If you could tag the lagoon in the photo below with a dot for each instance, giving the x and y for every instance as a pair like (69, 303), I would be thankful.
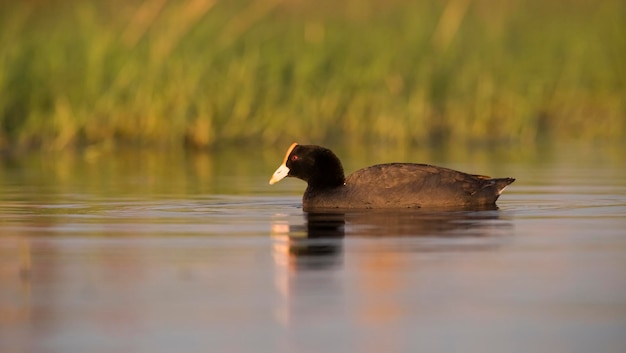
(144, 251)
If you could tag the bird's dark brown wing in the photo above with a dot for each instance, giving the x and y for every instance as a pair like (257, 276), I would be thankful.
(418, 185)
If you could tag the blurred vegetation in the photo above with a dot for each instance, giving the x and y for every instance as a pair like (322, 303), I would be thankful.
(205, 72)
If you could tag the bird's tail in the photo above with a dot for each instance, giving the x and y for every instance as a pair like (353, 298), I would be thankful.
(502, 183)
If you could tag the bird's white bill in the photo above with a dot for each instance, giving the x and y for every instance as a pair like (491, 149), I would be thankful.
(279, 174)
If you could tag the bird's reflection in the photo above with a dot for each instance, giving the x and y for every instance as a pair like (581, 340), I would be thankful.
(318, 243)
(387, 241)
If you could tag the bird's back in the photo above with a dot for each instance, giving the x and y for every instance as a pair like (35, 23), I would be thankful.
(402, 185)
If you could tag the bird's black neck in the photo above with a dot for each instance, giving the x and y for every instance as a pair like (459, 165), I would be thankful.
(328, 172)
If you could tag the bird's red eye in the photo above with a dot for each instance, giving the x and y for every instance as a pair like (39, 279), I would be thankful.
(294, 158)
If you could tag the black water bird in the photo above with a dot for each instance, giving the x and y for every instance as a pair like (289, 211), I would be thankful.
(391, 185)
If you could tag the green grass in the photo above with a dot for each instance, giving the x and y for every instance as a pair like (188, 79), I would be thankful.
(202, 72)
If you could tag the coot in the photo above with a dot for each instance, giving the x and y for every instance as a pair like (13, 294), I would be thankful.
(391, 185)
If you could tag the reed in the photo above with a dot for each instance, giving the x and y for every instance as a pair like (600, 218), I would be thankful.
(207, 72)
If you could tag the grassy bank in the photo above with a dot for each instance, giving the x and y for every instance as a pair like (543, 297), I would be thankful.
(202, 72)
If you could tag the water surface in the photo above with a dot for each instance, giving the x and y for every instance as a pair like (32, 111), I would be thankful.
(138, 251)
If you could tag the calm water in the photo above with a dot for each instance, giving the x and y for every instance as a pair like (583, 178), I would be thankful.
(168, 251)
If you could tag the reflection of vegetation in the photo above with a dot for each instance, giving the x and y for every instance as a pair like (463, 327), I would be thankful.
(113, 175)
(203, 71)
